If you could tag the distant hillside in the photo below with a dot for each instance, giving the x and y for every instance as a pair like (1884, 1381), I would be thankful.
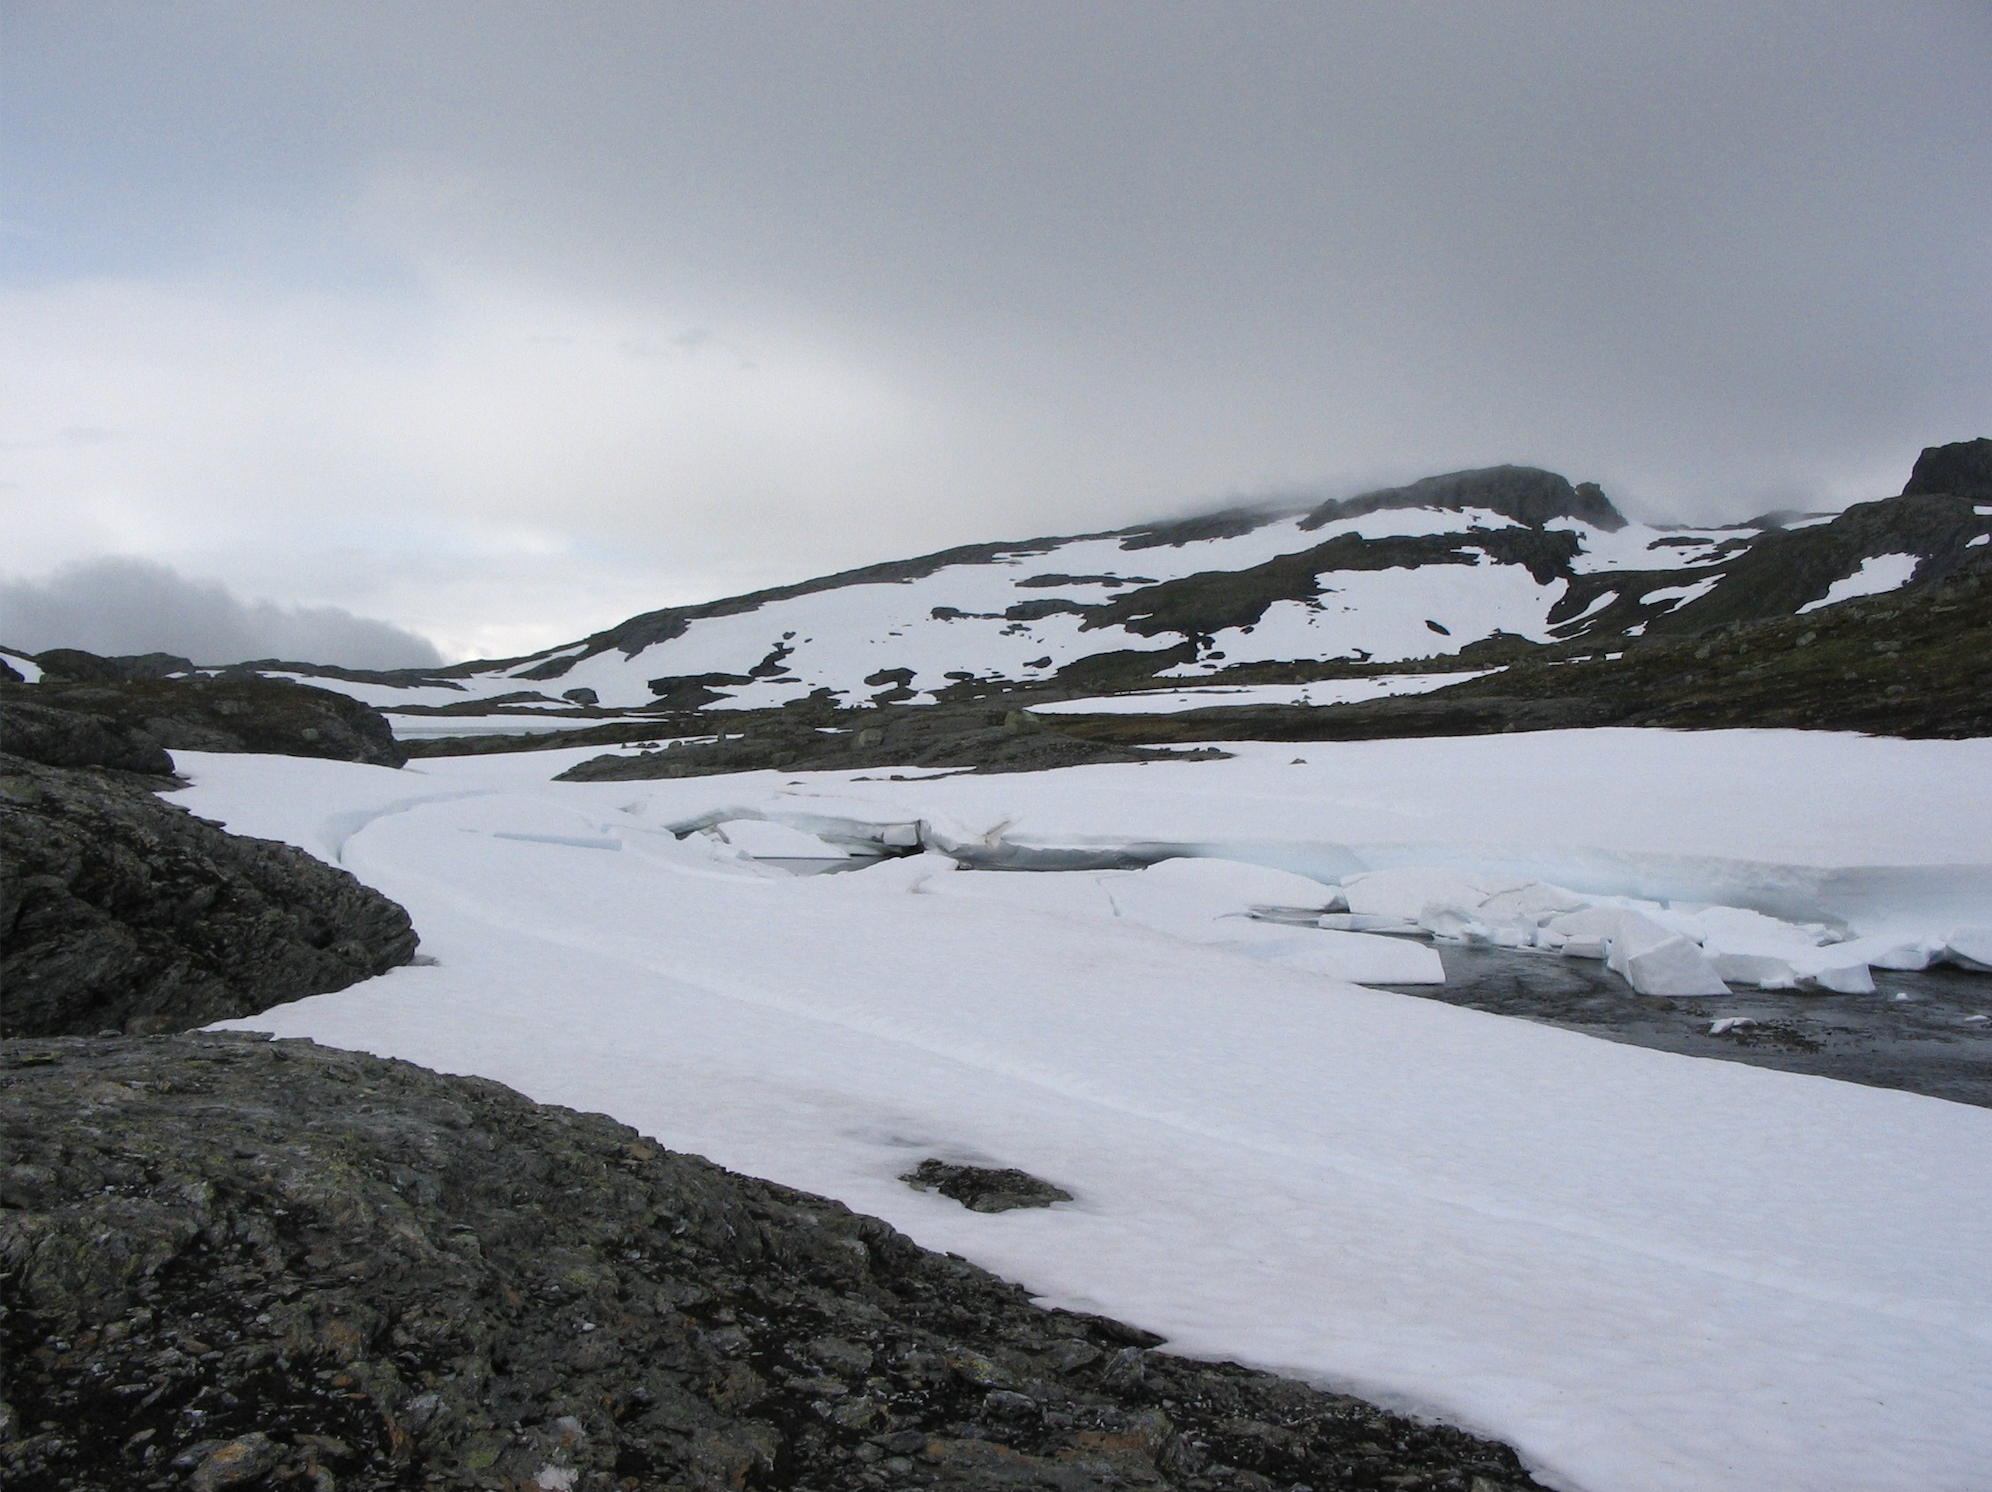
(1370, 598)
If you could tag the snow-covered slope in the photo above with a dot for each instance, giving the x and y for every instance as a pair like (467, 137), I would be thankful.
(1649, 1273)
(1471, 568)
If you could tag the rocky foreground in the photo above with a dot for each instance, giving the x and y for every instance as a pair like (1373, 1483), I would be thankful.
(232, 1262)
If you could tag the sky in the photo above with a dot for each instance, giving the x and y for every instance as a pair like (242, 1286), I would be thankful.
(496, 322)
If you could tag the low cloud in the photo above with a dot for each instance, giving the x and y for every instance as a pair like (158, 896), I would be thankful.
(117, 607)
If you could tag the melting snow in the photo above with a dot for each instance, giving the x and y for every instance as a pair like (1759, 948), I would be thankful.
(1878, 573)
(955, 622)
(1320, 692)
(1680, 595)
(1651, 1273)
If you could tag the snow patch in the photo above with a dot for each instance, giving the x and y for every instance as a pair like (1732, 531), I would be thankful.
(1877, 575)
(1321, 692)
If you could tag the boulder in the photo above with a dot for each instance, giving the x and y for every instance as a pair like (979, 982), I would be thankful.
(1961, 469)
(120, 910)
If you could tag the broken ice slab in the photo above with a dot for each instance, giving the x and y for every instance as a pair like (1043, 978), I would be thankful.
(1674, 966)
(1366, 922)
(1651, 957)
(1360, 958)
(1841, 968)
(765, 839)
(1970, 948)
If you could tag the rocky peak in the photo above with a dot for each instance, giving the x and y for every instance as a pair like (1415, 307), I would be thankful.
(1961, 469)
(1527, 494)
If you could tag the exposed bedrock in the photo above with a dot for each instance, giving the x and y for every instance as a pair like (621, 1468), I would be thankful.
(76, 738)
(242, 713)
(120, 910)
(1526, 494)
(800, 739)
(237, 1262)
(1963, 469)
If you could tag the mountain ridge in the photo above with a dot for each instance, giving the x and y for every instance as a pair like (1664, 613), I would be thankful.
(1477, 569)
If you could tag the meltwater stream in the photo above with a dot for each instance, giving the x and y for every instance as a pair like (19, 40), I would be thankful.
(1927, 1032)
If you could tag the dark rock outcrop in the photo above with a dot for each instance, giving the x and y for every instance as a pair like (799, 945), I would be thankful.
(74, 666)
(799, 740)
(75, 738)
(984, 1188)
(1961, 469)
(120, 910)
(226, 1259)
(239, 713)
(1527, 494)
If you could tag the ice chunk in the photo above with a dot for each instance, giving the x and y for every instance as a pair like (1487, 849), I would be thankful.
(1764, 970)
(1067, 893)
(1843, 978)
(1672, 966)
(1651, 957)
(1538, 901)
(1893, 952)
(1841, 972)
(1404, 894)
(1448, 920)
(1583, 930)
(909, 873)
(1360, 958)
(1457, 924)
(1749, 948)
(1970, 948)
(1192, 898)
(765, 839)
(1234, 885)
(1365, 922)
(1740, 928)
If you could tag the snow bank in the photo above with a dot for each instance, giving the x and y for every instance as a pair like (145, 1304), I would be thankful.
(1651, 1273)
(428, 727)
(1322, 692)
(1878, 574)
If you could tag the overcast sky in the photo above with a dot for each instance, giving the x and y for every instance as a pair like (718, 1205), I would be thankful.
(500, 322)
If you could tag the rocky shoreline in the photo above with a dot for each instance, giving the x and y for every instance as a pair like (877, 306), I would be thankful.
(233, 1262)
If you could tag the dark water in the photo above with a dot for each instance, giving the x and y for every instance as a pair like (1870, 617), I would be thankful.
(1928, 1033)
(797, 865)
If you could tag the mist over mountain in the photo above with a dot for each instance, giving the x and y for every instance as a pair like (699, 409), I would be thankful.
(129, 606)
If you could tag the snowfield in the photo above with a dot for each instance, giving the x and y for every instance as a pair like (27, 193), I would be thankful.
(1645, 1271)
(1018, 613)
(1322, 692)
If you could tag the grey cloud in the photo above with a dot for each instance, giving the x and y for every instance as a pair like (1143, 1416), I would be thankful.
(116, 607)
(992, 268)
